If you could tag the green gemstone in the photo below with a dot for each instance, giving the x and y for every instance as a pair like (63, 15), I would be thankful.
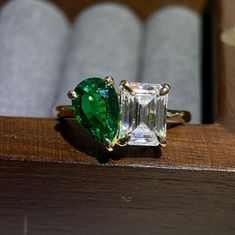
(96, 108)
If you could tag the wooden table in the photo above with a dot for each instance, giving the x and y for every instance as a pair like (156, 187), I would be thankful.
(55, 180)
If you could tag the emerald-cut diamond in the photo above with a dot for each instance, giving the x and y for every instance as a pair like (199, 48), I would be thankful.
(143, 114)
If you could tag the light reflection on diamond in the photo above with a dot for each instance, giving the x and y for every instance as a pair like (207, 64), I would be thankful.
(143, 114)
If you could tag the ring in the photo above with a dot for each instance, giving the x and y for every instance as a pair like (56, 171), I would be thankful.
(135, 115)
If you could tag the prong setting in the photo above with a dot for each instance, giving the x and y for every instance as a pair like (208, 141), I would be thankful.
(72, 95)
(124, 141)
(108, 145)
(165, 89)
(125, 85)
(109, 81)
(130, 119)
(162, 141)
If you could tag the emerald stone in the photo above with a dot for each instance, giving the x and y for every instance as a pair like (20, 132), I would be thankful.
(96, 108)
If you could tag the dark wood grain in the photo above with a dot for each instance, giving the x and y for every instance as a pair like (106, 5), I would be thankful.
(41, 198)
(189, 147)
(58, 182)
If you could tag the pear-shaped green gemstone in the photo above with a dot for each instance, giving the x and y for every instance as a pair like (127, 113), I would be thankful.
(96, 108)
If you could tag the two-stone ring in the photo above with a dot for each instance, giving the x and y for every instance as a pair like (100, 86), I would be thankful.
(135, 115)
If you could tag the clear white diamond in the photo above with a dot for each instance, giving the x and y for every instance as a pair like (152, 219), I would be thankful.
(143, 114)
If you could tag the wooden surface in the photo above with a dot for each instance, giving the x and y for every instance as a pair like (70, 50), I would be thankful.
(199, 147)
(205, 147)
(62, 182)
(189, 146)
(41, 198)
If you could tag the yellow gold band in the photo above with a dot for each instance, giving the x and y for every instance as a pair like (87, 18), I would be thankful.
(173, 116)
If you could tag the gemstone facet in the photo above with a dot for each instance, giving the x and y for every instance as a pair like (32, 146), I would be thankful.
(96, 108)
(143, 114)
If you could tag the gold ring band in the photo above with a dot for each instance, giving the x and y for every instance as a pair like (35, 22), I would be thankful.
(136, 114)
(173, 116)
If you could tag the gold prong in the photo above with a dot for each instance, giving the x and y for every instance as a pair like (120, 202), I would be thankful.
(72, 95)
(165, 89)
(125, 85)
(63, 111)
(109, 81)
(108, 145)
(178, 116)
(124, 141)
(162, 141)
